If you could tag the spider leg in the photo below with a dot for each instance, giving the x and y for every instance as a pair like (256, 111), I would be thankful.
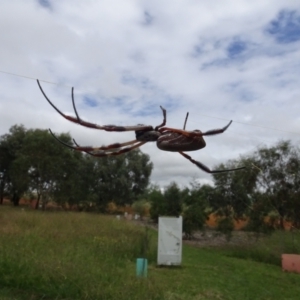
(164, 119)
(181, 131)
(114, 152)
(113, 149)
(217, 131)
(205, 168)
(196, 132)
(79, 121)
(38, 82)
(89, 148)
(187, 115)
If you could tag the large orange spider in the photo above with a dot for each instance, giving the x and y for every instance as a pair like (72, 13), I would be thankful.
(167, 139)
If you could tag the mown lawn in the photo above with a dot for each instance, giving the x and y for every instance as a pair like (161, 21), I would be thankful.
(89, 256)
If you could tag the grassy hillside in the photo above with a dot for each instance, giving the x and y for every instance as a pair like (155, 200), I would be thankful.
(88, 256)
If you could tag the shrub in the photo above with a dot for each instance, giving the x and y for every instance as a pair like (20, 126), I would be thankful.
(141, 207)
(194, 218)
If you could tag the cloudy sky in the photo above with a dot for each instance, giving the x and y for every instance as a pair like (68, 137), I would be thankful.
(218, 60)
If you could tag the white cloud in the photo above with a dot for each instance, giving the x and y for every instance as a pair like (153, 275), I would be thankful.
(174, 53)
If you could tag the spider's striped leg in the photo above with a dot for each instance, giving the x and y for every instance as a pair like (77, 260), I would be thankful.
(110, 147)
(205, 168)
(77, 120)
(181, 131)
(113, 149)
(114, 152)
(217, 131)
(89, 148)
(195, 132)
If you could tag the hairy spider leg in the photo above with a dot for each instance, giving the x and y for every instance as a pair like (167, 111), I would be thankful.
(205, 168)
(77, 120)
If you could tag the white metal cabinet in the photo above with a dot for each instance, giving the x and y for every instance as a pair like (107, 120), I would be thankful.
(169, 241)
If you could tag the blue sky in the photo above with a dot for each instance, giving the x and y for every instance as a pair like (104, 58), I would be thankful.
(285, 27)
(222, 60)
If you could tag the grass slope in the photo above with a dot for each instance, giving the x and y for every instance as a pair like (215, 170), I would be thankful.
(87, 256)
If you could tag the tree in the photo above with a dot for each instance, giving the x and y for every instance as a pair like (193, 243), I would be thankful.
(232, 194)
(168, 203)
(34, 162)
(10, 146)
(270, 184)
(122, 179)
(196, 201)
(258, 214)
(72, 184)
(173, 199)
(158, 205)
(279, 179)
(42, 163)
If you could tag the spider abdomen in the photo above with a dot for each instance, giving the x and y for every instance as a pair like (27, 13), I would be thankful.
(174, 142)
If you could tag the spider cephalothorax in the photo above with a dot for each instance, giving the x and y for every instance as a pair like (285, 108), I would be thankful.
(167, 139)
(147, 136)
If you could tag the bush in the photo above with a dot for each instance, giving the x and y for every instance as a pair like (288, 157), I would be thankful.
(194, 218)
(158, 205)
(226, 226)
(111, 208)
(141, 207)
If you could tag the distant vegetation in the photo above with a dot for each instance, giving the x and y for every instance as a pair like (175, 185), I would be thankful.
(68, 255)
(35, 165)
(266, 194)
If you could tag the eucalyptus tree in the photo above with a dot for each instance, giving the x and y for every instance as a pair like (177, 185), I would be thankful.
(196, 207)
(43, 162)
(279, 179)
(122, 179)
(232, 196)
(271, 183)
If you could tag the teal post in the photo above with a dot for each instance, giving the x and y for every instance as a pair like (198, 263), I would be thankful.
(141, 267)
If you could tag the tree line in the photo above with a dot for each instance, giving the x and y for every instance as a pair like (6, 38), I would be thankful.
(32, 163)
(266, 193)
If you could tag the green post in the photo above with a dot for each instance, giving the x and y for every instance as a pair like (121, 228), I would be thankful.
(141, 267)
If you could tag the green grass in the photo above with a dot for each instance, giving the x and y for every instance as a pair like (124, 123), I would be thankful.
(267, 249)
(89, 256)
